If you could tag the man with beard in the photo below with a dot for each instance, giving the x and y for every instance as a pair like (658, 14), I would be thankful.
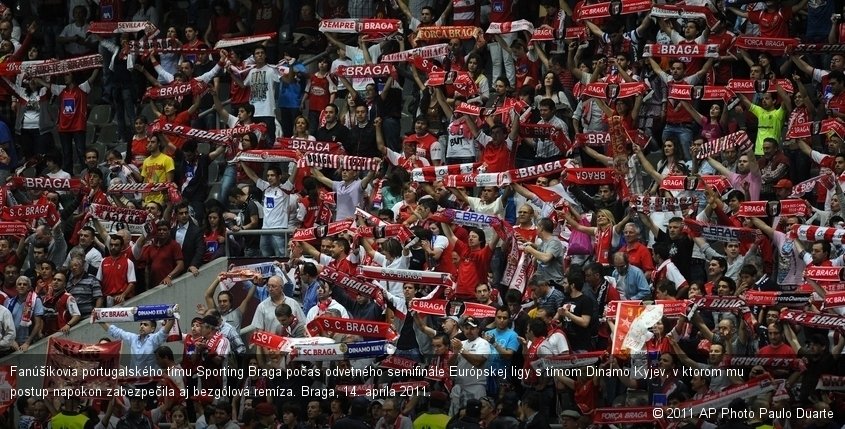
(680, 244)
(577, 313)
(747, 177)
(720, 380)
(163, 257)
(438, 368)
(116, 273)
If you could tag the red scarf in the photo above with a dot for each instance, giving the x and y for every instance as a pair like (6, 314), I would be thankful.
(533, 355)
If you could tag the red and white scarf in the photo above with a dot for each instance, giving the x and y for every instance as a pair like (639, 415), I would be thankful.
(648, 204)
(364, 328)
(245, 40)
(176, 89)
(608, 9)
(685, 50)
(510, 27)
(721, 233)
(766, 44)
(301, 145)
(826, 321)
(108, 27)
(346, 162)
(812, 233)
(434, 32)
(46, 183)
(433, 51)
(695, 183)
(367, 70)
(70, 65)
(794, 207)
(827, 180)
(432, 174)
(809, 129)
(318, 232)
(748, 86)
(737, 140)
(28, 306)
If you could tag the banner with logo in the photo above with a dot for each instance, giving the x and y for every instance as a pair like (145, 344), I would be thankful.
(794, 207)
(70, 65)
(135, 314)
(444, 308)
(613, 8)
(363, 328)
(690, 51)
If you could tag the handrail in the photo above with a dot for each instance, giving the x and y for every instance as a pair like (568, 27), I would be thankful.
(305, 63)
(272, 231)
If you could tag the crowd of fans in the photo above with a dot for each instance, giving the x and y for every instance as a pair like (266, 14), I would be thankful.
(548, 257)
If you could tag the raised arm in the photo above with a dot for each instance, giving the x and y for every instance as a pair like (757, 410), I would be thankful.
(802, 89)
(249, 172)
(762, 226)
(646, 164)
(801, 64)
(719, 167)
(318, 175)
(379, 137)
(697, 117)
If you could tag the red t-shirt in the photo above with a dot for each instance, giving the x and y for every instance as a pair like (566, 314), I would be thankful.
(467, 274)
(139, 151)
(424, 144)
(73, 108)
(115, 271)
(772, 24)
(161, 259)
(721, 73)
(675, 113)
(640, 257)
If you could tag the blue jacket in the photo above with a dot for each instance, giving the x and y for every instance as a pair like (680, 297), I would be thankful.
(636, 286)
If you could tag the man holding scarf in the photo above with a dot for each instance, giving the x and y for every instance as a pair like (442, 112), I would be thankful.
(27, 313)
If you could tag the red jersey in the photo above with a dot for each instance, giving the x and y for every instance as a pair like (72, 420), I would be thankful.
(772, 24)
(111, 10)
(837, 103)
(721, 73)
(115, 274)
(527, 72)
(319, 92)
(195, 44)
(73, 107)
(675, 113)
(501, 11)
(497, 157)
(424, 145)
(60, 303)
(640, 257)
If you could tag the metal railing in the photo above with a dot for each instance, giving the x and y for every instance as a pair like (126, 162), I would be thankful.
(286, 232)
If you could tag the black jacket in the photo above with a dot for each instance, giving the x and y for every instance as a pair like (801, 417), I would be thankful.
(193, 247)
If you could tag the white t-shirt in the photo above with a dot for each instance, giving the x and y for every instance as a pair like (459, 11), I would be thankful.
(348, 196)
(262, 92)
(400, 263)
(276, 202)
(356, 55)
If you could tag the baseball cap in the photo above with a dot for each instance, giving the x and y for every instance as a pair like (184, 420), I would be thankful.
(473, 408)
(265, 409)
(783, 183)
(455, 319)
(573, 414)
(470, 321)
